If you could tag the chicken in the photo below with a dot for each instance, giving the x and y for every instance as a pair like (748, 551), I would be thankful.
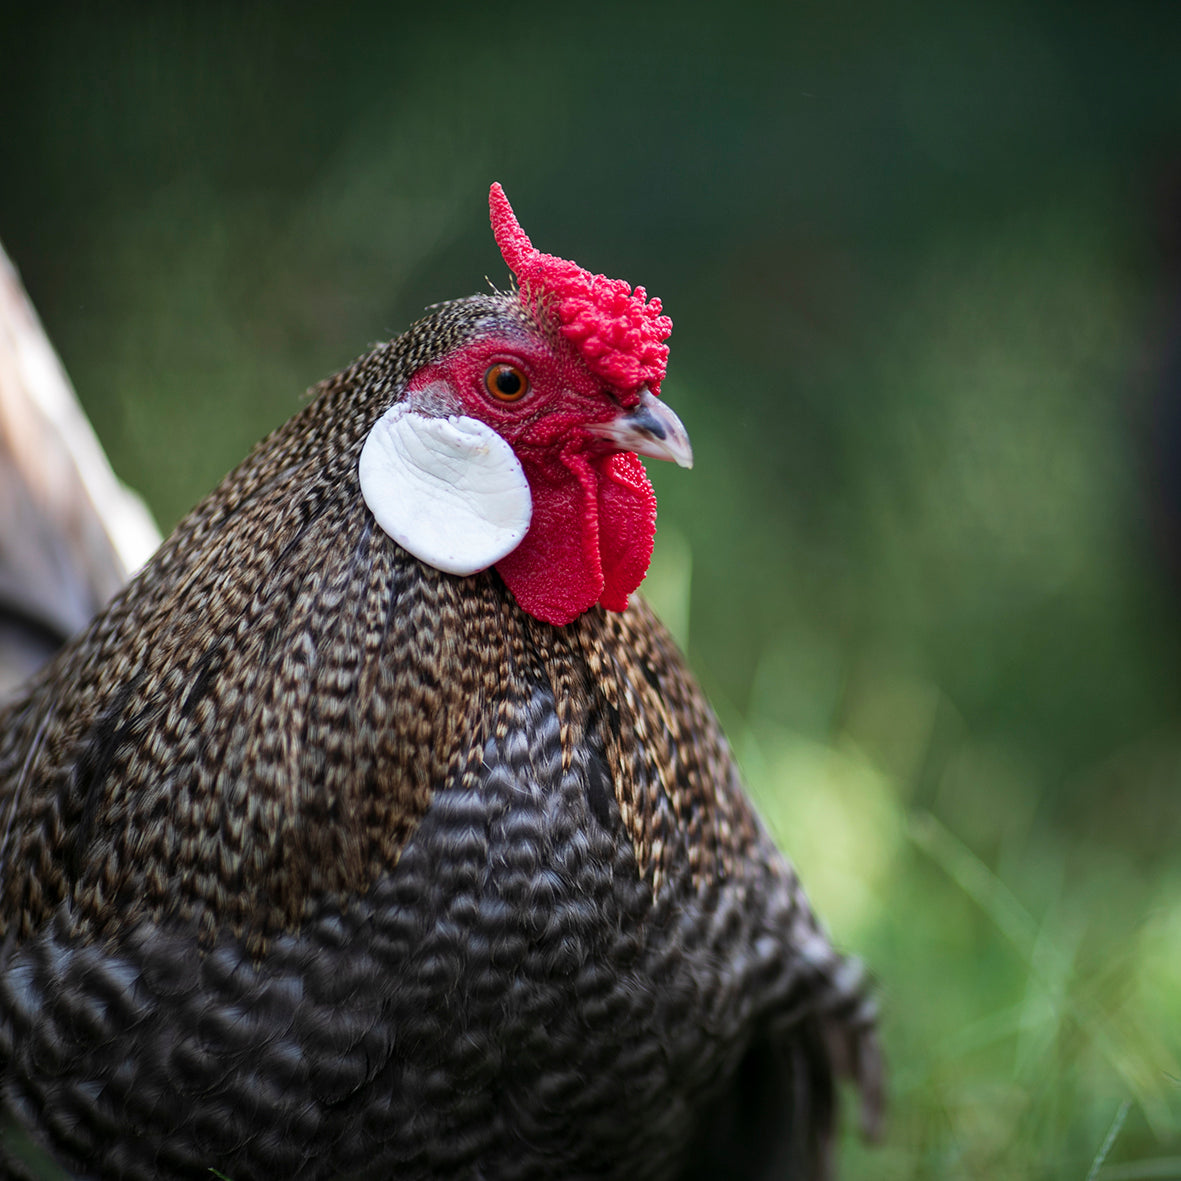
(376, 829)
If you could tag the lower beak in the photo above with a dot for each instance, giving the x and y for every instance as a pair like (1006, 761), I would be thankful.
(650, 429)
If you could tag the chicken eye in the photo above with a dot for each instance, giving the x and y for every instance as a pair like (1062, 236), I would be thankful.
(506, 383)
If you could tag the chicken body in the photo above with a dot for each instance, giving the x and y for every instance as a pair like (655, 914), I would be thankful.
(318, 862)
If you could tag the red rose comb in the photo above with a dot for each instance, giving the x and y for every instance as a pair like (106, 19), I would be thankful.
(619, 332)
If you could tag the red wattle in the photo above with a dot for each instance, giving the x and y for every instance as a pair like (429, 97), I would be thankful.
(590, 539)
(627, 527)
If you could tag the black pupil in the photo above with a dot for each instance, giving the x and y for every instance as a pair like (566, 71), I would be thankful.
(508, 381)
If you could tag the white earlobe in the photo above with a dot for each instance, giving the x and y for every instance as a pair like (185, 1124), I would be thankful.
(449, 490)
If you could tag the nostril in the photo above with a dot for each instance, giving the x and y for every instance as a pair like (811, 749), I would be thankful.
(643, 418)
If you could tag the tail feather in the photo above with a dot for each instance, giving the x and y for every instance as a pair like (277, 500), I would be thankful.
(851, 1034)
(777, 1118)
(70, 532)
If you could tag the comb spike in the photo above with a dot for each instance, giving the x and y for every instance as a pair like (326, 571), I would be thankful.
(514, 244)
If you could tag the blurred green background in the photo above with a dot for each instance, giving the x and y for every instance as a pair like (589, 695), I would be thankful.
(924, 263)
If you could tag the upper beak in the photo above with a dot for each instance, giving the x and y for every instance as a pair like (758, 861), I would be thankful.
(650, 429)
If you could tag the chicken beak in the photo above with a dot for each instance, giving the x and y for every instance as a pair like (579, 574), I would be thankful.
(650, 429)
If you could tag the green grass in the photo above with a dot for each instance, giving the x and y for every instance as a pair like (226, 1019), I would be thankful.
(1028, 1018)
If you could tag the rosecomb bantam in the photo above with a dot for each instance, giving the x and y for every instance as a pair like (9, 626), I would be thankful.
(376, 830)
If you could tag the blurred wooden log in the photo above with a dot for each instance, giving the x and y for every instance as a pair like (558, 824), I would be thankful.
(70, 533)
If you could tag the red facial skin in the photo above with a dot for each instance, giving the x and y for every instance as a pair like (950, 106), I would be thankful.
(594, 511)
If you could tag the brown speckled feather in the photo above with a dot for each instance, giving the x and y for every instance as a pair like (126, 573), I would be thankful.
(317, 862)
